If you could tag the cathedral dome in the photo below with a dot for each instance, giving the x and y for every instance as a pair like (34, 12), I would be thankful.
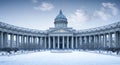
(60, 21)
(60, 18)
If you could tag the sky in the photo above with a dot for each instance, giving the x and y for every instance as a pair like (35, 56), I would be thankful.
(40, 14)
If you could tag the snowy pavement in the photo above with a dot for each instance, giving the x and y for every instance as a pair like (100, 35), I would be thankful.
(48, 58)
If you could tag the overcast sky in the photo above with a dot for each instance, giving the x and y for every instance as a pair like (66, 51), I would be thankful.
(40, 14)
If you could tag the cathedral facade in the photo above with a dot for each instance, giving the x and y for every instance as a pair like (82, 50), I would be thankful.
(60, 36)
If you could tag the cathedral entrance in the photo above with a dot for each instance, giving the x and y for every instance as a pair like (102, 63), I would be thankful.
(61, 46)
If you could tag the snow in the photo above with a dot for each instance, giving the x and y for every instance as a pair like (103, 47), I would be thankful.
(50, 58)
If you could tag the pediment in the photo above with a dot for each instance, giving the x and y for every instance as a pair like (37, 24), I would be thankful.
(61, 30)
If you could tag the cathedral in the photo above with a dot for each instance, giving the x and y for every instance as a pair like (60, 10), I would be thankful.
(60, 36)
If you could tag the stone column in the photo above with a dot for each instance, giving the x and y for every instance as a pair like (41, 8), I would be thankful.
(110, 40)
(5, 39)
(32, 43)
(39, 45)
(33, 40)
(41, 42)
(72, 42)
(94, 45)
(17, 41)
(99, 41)
(1, 39)
(36, 43)
(63, 45)
(26, 45)
(78, 42)
(89, 42)
(81, 42)
(102, 41)
(49, 46)
(67, 42)
(24, 42)
(58, 42)
(29, 42)
(36, 40)
(21, 43)
(105, 39)
(53, 42)
(116, 39)
(11, 40)
(45, 43)
(76, 45)
(85, 38)
(119, 39)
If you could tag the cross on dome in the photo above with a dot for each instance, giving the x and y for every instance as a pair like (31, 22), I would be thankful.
(60, 12)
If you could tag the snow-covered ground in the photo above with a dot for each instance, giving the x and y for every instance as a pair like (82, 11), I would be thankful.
(48, 58)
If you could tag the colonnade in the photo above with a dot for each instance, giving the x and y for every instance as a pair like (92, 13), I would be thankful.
(9, 40)
(79, 41)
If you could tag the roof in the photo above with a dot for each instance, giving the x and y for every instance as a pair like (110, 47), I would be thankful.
(60, 17)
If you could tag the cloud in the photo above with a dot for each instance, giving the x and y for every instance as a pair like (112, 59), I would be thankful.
(102, 15)
(44, 6)
(78, 19)
(107, 11)
(112, 7)
(35, 1)
(79, 16)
